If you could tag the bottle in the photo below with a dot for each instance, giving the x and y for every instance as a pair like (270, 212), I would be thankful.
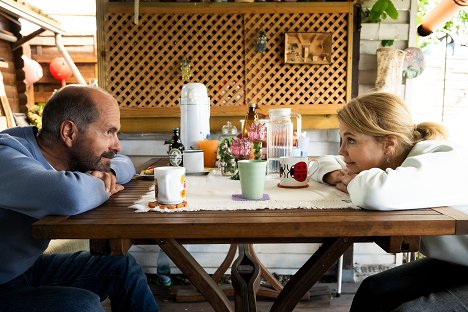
(164, 269)
(250, 118)
(176, 149)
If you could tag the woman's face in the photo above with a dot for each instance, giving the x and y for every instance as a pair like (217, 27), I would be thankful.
(360, 151)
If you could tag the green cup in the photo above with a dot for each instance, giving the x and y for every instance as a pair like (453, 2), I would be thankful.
(252, 178)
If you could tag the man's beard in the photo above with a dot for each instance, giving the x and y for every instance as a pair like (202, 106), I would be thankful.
(82, 160)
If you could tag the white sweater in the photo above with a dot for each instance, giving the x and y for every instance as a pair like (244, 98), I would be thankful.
(432, 175)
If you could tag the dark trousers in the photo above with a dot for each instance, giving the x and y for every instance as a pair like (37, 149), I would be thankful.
(390, 289)
(78, 282)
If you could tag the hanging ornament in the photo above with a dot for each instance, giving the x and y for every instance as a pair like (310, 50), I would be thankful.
(32, 70)
(60, 70)
(185, 69)
(413, 64)
(261, 42)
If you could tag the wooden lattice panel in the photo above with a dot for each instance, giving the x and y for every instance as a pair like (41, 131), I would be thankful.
(269, 81)
(143, 61)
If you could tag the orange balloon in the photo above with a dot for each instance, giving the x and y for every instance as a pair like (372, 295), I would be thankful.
(60, 70)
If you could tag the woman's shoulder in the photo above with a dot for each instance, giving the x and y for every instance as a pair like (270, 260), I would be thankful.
(435, 146)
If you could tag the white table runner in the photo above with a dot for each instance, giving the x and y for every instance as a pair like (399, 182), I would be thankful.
(214, 192)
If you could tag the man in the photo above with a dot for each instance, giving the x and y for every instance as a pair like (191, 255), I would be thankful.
(70, 166)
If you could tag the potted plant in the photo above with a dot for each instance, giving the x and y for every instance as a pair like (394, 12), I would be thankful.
(380, 11)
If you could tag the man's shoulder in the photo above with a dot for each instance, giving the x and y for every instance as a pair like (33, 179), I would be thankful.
(20, 132)
(18, 138)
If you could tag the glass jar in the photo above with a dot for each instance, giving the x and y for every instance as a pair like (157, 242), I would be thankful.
(280, 136)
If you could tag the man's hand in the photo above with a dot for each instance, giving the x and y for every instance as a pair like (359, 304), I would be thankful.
(339, 178)
(109, 181)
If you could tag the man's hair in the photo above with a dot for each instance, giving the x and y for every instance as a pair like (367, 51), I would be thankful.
(75, 103)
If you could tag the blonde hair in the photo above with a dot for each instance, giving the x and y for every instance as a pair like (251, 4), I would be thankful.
(380, 114)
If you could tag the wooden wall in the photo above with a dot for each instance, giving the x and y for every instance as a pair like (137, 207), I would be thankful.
(80, 42)
(9, 73)
(82, 49)
(78, 20)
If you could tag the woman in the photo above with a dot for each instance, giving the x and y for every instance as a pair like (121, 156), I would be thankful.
(388, 163)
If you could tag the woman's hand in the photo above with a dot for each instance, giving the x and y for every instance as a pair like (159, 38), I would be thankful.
(109, 181)
(339, 178)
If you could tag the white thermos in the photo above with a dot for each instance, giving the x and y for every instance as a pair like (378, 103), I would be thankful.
(194, 114)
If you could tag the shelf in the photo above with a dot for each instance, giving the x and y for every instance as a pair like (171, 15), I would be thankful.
(232, 7)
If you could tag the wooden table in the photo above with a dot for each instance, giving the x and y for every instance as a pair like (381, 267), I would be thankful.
(113, 227)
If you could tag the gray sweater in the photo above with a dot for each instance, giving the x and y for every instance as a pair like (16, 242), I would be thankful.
(31, 189)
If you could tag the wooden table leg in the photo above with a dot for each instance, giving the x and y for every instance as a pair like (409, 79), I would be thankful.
(114, 247)
(120, 247)
(225, 264)
(274, 283)
(330, 250)
(197, 276)
(245, 274)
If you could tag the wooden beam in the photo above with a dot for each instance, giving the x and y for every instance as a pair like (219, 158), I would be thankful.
(232, 7)
(165, 124)
(25, 39)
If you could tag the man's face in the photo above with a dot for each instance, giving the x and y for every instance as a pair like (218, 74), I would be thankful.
(97, 145)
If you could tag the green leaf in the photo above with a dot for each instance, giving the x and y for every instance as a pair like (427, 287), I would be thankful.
(380, 10)
(380, 6)
(374, 17)
(387, 43)
(391, 10)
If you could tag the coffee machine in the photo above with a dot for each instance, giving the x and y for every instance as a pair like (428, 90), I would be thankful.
(194, 114)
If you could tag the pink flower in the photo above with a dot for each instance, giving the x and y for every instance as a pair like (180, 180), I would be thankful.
(240, 147)
(257, 132)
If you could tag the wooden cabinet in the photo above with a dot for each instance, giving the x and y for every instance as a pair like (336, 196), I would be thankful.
(139, 63)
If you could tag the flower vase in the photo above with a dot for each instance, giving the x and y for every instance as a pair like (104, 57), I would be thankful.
(227, 162)
(236, 175)
(228, 166)
(257, 146)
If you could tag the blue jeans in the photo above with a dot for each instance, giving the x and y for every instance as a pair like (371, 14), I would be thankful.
(422, 285)
(79, 282)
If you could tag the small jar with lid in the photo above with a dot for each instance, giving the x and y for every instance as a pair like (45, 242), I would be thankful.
(228, 131)
(226, 160)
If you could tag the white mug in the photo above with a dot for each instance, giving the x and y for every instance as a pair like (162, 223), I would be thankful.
(193, 161)
(295, 171)
(170, 186)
